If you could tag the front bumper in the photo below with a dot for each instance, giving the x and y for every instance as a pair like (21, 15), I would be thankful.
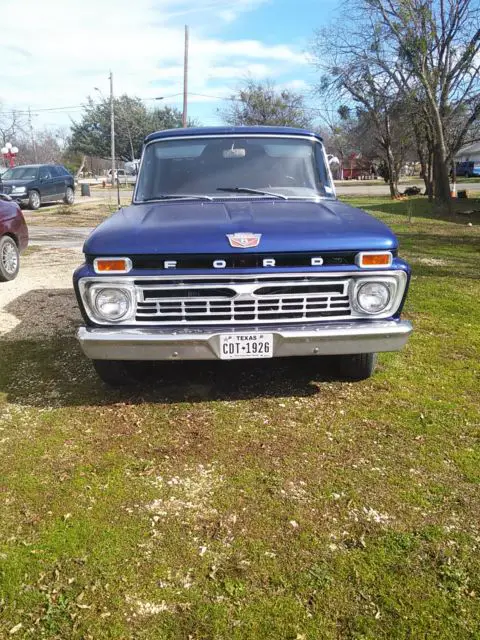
(329, 338)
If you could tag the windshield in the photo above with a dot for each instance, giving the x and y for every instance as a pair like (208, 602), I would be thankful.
(21, 173)
(234, 167)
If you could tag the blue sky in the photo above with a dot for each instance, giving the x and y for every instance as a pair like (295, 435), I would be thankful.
(59, 64)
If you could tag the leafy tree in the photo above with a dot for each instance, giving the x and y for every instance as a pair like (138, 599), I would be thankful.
(133, 121)
(257, 103)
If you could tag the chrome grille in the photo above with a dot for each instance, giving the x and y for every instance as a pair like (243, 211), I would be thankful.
(252, 301)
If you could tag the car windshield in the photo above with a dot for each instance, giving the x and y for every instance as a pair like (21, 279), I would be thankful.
(21, 173)
(234, 167)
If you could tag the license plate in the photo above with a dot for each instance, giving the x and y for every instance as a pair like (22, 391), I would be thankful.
(247, 345)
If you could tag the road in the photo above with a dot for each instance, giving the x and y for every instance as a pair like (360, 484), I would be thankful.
(350, 188)
(73, 237)
(356, 188)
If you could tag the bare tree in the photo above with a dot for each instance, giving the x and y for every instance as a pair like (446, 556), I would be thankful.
(47, 147)
(348, 77)
(12, 124)
(434, 45)
(429, 50)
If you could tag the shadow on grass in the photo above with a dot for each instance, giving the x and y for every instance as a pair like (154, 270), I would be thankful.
(442, 255)
(419, 207)
(42, 365)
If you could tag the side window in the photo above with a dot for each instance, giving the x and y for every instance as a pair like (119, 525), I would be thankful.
(44, 173)
(57, 171)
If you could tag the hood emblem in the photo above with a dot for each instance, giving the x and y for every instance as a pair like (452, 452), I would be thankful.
(244, 240)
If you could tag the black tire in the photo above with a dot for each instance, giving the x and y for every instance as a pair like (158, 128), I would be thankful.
(358, 366)
(34, 200)
(115, 373)
(69, 197)
(9, 259)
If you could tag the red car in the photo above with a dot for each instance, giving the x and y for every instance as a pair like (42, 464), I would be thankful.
(13, 238)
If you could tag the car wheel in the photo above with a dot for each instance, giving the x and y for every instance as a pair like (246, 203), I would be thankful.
(115, 373)
(69, 197)
(358, 366)
(9, 259)
(34, 200)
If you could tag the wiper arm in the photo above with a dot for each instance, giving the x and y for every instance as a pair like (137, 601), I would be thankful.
(172, 196)
(257, 191)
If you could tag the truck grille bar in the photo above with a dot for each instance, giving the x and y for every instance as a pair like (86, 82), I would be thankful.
(215, 301)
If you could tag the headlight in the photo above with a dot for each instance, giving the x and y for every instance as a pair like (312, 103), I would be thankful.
(18, 190)
(373, 297)
(112, 304)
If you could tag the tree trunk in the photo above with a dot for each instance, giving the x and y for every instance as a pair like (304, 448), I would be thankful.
(441, 186)
(81, 167)
(392, 175)
(430, 178)
(442, 179)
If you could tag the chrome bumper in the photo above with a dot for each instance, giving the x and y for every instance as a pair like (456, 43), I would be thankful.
(329, 338)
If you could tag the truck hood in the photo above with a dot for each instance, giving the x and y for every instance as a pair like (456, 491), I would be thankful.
(195, 227)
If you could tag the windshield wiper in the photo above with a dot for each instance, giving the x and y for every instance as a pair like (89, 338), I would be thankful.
(257, 191)
(172, 196)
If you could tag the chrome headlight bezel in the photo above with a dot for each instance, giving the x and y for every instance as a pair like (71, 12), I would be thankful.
(383, 295)
(90, 290)
(396, 287)
(18, 191)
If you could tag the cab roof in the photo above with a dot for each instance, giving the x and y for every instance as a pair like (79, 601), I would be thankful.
(225, 131)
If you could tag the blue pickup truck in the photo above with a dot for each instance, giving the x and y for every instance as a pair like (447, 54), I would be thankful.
(235, 246)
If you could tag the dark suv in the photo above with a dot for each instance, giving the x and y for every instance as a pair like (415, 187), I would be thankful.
(37, 184)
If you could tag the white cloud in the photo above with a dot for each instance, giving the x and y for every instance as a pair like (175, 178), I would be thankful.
(54, 53)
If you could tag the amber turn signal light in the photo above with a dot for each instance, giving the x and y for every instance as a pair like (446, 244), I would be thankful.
(112, 265)
(374, 259)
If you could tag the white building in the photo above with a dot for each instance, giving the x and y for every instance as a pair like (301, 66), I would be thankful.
(469, 153)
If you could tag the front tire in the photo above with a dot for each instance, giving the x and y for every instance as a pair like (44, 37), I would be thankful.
(34, 200)
(358, 366)
(114, 373)
(69, 197)
(9, 259)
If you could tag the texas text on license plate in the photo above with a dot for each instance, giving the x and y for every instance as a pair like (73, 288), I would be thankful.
(246, 345)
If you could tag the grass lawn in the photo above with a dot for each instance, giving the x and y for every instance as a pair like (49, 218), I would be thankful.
(252, 500)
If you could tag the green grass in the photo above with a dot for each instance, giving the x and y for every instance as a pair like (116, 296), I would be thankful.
(253, 500)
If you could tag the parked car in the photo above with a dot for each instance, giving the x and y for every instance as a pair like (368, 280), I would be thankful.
(36, 184)
(123, 176)
(469, 169)
(13, 238)
(236, 247)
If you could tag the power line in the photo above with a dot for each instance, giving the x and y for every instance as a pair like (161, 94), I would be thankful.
(80, 107)
(74, 107)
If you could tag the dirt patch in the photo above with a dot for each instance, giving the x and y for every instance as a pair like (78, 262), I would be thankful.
(40, 301)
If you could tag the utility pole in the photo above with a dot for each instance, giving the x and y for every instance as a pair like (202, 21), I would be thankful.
(32, 135)
(112, 139)
(185, 79)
